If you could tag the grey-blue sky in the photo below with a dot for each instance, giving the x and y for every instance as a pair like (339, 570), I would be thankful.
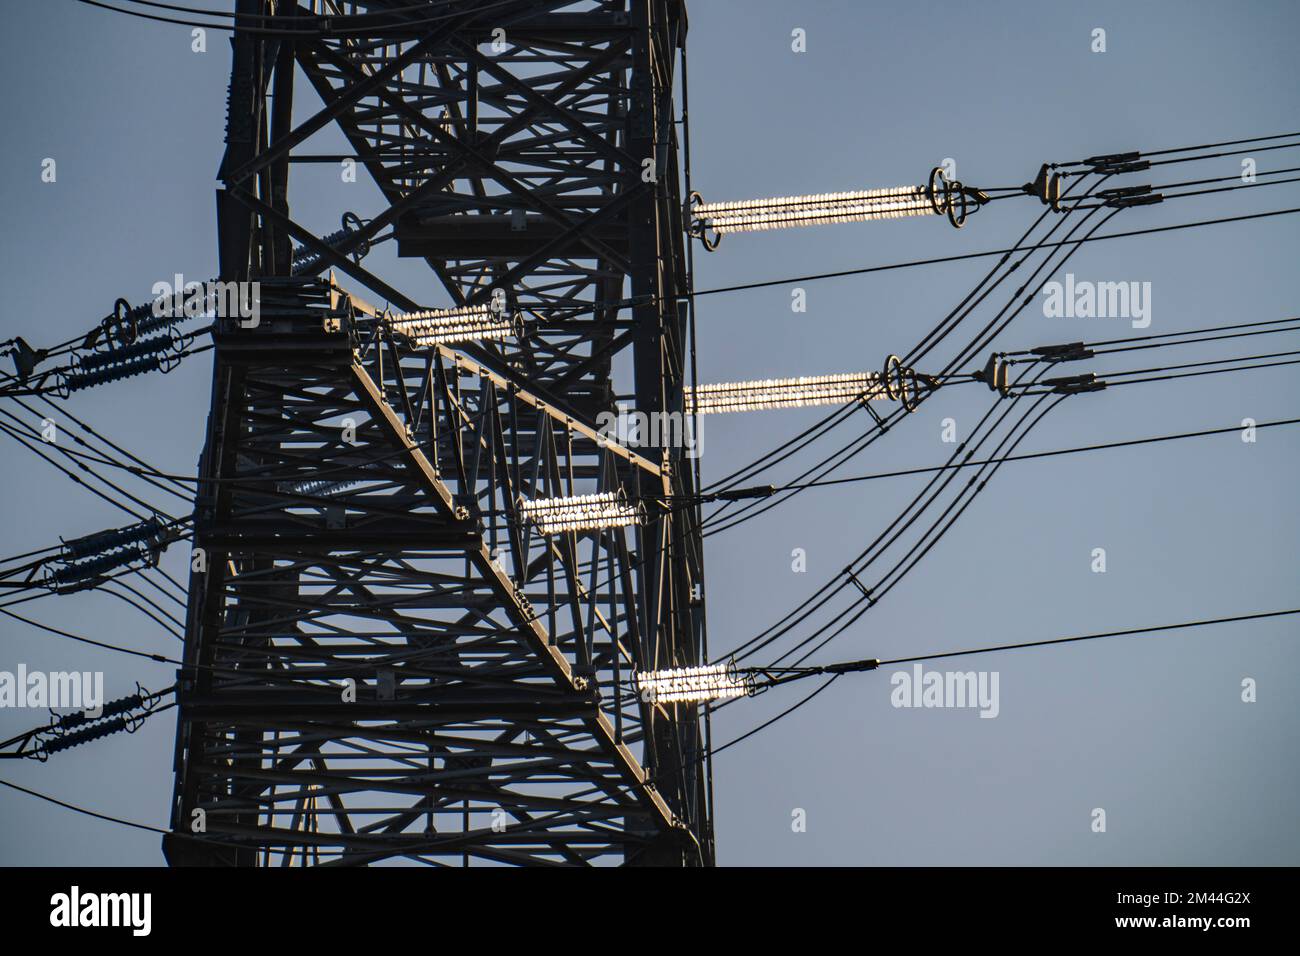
(1152, 729)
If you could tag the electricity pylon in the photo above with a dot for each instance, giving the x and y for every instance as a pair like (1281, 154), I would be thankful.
(382, 659)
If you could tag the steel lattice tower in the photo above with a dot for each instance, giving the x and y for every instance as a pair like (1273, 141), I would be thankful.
(359, 519)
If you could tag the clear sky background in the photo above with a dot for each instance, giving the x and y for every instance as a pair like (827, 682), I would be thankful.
(1151, 729)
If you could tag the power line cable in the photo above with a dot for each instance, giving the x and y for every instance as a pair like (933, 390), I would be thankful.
(1129, 632)
(82, 810)
(940, 330)
(1053, 453)
(992, 252)
(843, 579)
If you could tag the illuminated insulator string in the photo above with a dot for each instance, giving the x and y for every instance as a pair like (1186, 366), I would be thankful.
(709, 222)
(710, 682)
(470, 323)
(896, 382)
(581, 512)
(693, 685)
(757, 215)
(784, 393)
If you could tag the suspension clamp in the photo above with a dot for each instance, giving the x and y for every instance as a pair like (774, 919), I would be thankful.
(996, 375)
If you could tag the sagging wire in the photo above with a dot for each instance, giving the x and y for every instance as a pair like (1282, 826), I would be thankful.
(37, 447)
(1060, 387)
(172, 486)
(872, 595)
(920, 503)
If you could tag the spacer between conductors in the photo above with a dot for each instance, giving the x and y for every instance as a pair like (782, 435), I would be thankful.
(1046, 187)
(1003, 379)
(996, 375)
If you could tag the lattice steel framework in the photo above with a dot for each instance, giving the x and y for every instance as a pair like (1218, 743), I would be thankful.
(360, 522)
